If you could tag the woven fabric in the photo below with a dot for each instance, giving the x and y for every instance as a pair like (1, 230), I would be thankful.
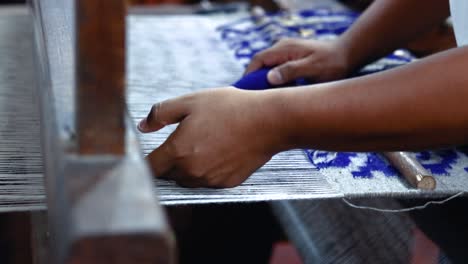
(355, 174)
(158, 69)
(167, 58)
(163, 65)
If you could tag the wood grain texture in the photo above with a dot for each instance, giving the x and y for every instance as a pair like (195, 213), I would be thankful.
(102, 201)
(100, 43)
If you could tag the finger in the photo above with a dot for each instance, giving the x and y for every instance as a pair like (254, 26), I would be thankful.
(256, 62)
(269, 57)
(182, 179)
(289, 72)
(161, 160)
(162, 114)
(279, 53)
(189, 184)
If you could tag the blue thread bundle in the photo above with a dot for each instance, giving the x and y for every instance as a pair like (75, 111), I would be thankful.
(256, 80)
(246, 38)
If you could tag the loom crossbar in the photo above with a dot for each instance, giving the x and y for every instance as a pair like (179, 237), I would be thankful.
(101, 202)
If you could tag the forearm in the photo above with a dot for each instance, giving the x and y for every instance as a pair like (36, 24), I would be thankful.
(388, 25)
(421, 105)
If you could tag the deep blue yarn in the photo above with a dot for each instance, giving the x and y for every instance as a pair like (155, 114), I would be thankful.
(439, 162)
(256, 80)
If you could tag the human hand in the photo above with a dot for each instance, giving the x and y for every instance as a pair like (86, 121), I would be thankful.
(298, 58)
(223, 136)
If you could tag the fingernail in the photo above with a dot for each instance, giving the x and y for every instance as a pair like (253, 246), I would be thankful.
(143, 125)
(275, 77)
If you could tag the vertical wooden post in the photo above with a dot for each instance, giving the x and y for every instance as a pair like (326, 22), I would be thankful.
(101, 201)
(100, 26)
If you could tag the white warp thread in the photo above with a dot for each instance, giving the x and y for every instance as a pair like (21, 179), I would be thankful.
(402, 210)
(287, 176)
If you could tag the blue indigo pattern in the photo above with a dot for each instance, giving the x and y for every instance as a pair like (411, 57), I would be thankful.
(246, 38)
(438, 162)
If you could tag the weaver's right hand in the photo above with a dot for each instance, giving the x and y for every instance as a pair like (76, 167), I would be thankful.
(315, 60)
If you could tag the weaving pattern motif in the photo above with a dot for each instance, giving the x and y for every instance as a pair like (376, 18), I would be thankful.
(438, 162)
(246, 38)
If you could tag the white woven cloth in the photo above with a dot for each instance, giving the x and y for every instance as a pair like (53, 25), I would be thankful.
(166, 58)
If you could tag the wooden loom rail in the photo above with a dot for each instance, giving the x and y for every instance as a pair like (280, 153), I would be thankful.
(101, 202)
(100, 77)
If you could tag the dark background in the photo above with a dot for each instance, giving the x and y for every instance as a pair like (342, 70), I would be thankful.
(12, 1)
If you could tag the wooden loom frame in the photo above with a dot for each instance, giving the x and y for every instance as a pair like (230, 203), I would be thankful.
(101, 204)
(86, 171)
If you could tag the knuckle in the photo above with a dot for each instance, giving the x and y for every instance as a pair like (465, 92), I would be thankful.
(155, 108)
(287, 70)
(175, 149)
(190, 101)
(287, 42)
(188, 98)
(153, 115)
(257, 57)
(193, 171)
(284, 41)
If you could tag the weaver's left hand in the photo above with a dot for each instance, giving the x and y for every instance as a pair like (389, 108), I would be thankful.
(223, 136)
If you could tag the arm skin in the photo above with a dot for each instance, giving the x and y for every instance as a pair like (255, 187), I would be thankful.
(225, 134)
(417, 106)
(385, 26)
(388, 25)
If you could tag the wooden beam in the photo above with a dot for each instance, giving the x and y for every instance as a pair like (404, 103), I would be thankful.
(100, 76)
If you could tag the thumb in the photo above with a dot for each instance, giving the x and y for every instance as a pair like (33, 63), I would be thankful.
(163, 114)
(287, 72)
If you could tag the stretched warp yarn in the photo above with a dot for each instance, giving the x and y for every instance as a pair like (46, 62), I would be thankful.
(287, 176)
(161, 66)
(21, 183)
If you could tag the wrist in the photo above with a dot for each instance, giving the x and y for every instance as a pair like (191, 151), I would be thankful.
(351, 59)
(304, 116)
(278, 119)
